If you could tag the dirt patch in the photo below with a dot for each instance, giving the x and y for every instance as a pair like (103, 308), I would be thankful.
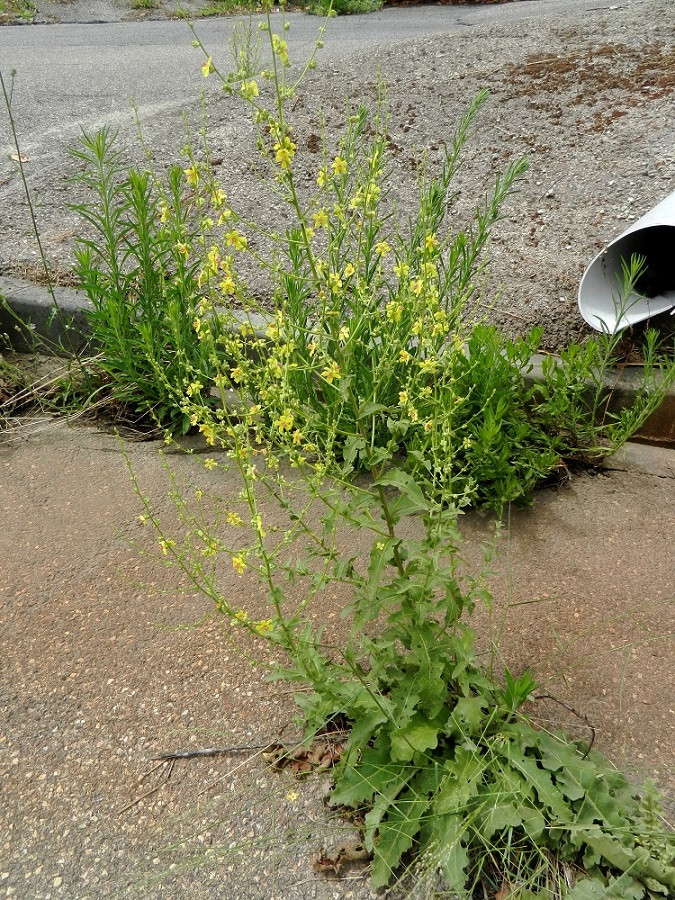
(611, 79)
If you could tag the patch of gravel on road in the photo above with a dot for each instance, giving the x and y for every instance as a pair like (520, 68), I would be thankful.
(590, 104)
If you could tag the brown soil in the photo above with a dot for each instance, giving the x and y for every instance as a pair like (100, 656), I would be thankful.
(109, 658)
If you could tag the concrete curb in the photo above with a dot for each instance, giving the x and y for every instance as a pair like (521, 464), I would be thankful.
(30, 321)
(31, 305)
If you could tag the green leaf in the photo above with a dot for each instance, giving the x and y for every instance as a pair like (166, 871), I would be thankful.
(365, 727)
(468, 716)
(588, 889)
(499, 817)
(418, 736)
(549, 795)
(462, 783)
(451, 855)
(408, 487)
(370, 409)
(396, 835)
(374, 774)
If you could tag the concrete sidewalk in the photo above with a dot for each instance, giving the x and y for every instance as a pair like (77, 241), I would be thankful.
(108, 659)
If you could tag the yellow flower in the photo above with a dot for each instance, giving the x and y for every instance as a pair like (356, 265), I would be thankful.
(213, 258)
(192, 176)
(331, 373)
(343, 334)
(218, 197)
(285, 150)
(339, 166)
(194, 388)
(166, 546)
(281, 49)
(285, 421)
(227, 285)
(357, 200)
(163, 212)
(431, 242)
(428, 365)
(321, 177)
(249, 90)
(237, 374)
(239, 564)
(208, 67)
(394, 311)
(264, 626)
(382, 248)
(297, 436)
(401, 270)
(234, 518)
(199, 493)
(467, 443)
(208, 431)
(404, 356)
(402, 398)
(210, 464)
(334, 281)
(416, 287)
(429, 425)
(258, 525)
(235, 239)
(320, 219)
(349, 271)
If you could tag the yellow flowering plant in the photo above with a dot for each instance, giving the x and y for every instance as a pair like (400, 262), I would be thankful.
(370, 362)
(368, 309)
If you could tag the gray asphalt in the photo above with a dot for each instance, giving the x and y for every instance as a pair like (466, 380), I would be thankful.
(83, 76)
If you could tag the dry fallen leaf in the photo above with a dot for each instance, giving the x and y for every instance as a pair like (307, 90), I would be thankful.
(323, 754)
(343, 856)
(16, 158)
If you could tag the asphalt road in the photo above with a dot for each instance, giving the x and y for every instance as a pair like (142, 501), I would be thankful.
(83, 76)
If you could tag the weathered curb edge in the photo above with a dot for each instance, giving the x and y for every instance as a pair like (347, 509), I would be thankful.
(57, 331)
(68, 331)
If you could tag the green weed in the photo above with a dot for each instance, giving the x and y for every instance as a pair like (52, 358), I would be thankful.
(372, 410)
(13, 10)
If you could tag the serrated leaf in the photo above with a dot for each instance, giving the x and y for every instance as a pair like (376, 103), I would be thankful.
(468, 715)
(365, 727)
(498, 817)
(373, 775)
(419, 735)
(404, 701)
(462, 783)
(453, 859)
(548, 794)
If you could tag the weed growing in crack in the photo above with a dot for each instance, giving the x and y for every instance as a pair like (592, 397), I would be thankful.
(369, 405)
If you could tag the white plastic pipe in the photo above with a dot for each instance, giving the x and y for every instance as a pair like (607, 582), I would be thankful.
(652, 236)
